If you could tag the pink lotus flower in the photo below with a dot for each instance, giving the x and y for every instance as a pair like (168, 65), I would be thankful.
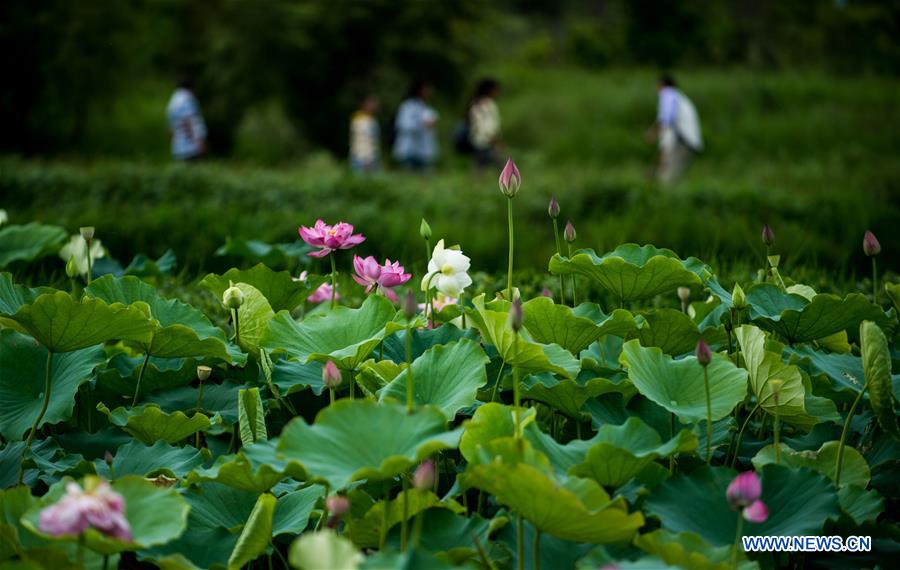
(99, 508)
(330, 238)
(440, 301)
(322, 294)
(423, 478)
(371, 275)
(743, 493)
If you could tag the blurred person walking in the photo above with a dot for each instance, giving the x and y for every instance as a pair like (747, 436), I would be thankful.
(676, 131)
(186, 123)
(365, 137)
(483, 120)
(415, 141)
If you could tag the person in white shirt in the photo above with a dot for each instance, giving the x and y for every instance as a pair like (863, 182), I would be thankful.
(186, 123)
(676, 131)
(365, 137)
(484, 123)
(415, 143)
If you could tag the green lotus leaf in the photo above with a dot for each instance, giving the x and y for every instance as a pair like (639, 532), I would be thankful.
(548, 323)
(218, 399)
(685, 550)
(524, 354)
(859, 504)
(566, 396)
(324, 550)
(293, 509)
(251, 416)
(412, 559)
(29, 242)
(253, 318)
(670, 330)
(843, 371)
(764, 364)
(893, 291)
(446, 376)
(394, 347)
(366, 531)
(632, 272)
(63, 324)
(346, 336)
(135, 458)
(122, 371)
(14, 504)
(620, 452)
(256, 534)
(13, 296)
(799, 501)
(270, 254)
(156, 515)
(798, 320)
(876, 360)
(145, 267)
(569, 508)
(854, 471)
(293, 376)
(23, 372)
(347, 442)
(278, 287)
(618, 323)
(150, 424)
(490, 421)
(255, 468)
(442, 530)
(678, 385)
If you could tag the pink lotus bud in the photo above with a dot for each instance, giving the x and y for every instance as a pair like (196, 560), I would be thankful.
(704, 355)
(410, 307)
(516, 315)
(757, 512)
(546, 293)
(569, 233)
(423, 478)
(768, 236)
(331, 376)
(553, 208)
(510, 179)
(337, 505)
(744, 490)
(870, 244)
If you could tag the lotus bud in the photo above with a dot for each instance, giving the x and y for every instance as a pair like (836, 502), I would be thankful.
(768, 236)
(757, 512)
(516, 315)
(569, 233)
(744, 490)
(72, 267)
(410, 307)
(704, 355)
(553, 208)
(337, 505)
(546, 293)
(425, 230)
(233, 298)
(510, 179)
(423, 478)
(331, 376)
(738, 298)
(87, 232)
(203, 372)
(774, 260)
(108, 457)
(871, 247)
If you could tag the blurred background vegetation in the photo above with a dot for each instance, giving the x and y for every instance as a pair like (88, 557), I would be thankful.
(798, 100)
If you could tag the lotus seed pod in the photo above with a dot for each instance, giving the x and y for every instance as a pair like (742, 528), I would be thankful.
(331, 375)
(569, 233)
(425, 230)
(423, 478)
(72, 267)
(337, 505)
(553, 208)
(738, 298)
(87, 232)
(871, 247)
(768, 236)
(684, 294)
(203, 372)
(233, 298)
(516, 315)
(704, 355)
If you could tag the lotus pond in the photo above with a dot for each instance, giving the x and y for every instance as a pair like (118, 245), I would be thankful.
(640, 413)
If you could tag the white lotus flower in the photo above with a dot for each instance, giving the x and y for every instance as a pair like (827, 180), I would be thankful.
(447, 271)
(77, 249)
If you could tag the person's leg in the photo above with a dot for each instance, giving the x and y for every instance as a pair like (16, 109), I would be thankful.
(666, 172)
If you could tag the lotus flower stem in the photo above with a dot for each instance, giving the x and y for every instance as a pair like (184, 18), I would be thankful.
(497, 383)
(737, 542)
(487, 562)
(462, 308)
(410, 386)
(737, 446)
(516, 402)
(536, 551)
(105, 561)
(237, 327)
(90, 264)
(708, 416)
(324, 516)
(137, 388)
(574, 300)
(79, 553)
(520, 542)
(874, 281)
(40, 416)
(672, 436)
(403, 523)
(776, 428)
(562, 289)
(333, 281)
(330, 395)
(509, 215)
(840, 456)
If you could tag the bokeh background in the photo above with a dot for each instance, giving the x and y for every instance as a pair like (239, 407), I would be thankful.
(799, 101)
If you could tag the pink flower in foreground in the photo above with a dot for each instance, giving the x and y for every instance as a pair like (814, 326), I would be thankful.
(371, 275)
(322, 294)
(330, 238)
(99, 508)
(743, 493)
